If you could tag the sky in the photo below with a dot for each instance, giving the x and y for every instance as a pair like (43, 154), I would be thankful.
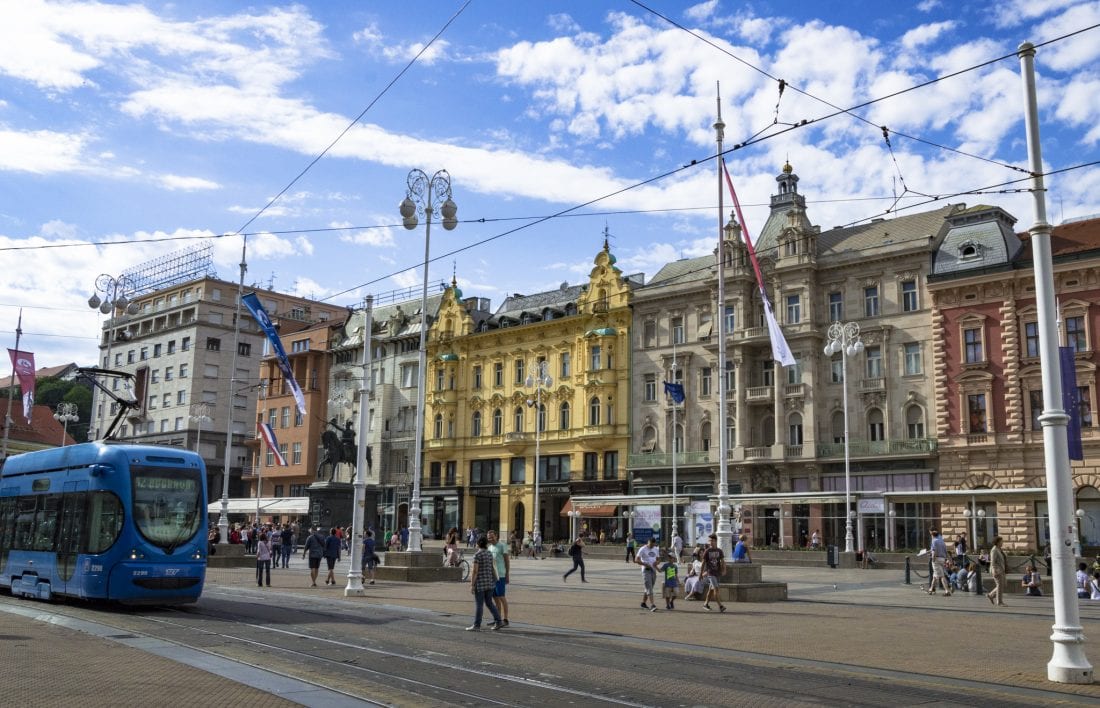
(129, 131)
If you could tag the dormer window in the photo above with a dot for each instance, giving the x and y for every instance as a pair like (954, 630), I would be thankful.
(969, 250)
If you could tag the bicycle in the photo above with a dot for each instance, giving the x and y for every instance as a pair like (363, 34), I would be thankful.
(461, 563)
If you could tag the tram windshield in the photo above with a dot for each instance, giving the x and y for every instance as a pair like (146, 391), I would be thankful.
(166, 504)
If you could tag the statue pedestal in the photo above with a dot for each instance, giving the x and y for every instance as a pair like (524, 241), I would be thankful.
(230, 555)
(330, 504)
(744, 582)
(415, 567)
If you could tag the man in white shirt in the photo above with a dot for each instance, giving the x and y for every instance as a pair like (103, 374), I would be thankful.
(647, 557)
(677, 547)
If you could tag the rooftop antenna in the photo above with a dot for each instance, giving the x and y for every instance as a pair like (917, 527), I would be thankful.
(271, 281)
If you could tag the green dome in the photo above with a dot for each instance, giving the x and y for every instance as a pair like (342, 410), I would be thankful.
(601, 332)
(448, 357)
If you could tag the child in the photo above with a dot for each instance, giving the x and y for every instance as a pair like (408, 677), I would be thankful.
(672, 581)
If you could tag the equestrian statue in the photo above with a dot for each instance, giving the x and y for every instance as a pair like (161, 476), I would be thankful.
(338, 448)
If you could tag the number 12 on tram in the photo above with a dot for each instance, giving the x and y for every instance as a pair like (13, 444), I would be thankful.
(102, 520)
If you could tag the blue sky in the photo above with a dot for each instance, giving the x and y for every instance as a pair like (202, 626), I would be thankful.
(122, 125)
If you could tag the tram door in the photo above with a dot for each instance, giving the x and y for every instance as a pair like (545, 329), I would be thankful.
(70, 539)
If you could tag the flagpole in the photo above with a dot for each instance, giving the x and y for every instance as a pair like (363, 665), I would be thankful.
(674, 450)
(223, 520)
(725, 532)
(11, 387)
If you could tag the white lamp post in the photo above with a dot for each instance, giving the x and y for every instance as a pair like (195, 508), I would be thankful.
(574, 518)
(66, 413)
(419, 196)
(844, 339)
(1068, 663)
(355, 572)
(200, 413)
(538, 379)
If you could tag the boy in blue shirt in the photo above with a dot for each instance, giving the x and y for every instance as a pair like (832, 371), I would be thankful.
(672, 581)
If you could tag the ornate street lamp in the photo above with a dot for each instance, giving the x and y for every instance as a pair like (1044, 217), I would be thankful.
(118, 294)
(844, 340)
(66, 413)
(421, 192)
(538, 379)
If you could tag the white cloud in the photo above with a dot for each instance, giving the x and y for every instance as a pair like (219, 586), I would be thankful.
(1011, 13)
(374, 40)
(408, 278)
(928, 5)
(701, 12)
(925, 34)
(186, 184)
(563, 23)
(42, 151)
(57, 229)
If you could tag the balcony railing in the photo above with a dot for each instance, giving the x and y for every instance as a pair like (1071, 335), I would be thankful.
(759, 393)
(874, 384)
(758, 453)
(792, 450)
(796, 389)
(753, 332)
(856, 448)
(664, 459)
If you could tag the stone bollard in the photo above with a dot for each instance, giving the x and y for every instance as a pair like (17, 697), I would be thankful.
(978, 589)
(908, 579)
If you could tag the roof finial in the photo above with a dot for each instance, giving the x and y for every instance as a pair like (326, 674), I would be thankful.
(454, 272)
(606, 236)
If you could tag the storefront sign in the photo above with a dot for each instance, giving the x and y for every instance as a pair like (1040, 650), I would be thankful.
(647, 523)
(872, 506)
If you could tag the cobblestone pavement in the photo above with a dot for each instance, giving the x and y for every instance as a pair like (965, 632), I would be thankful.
(851, 621)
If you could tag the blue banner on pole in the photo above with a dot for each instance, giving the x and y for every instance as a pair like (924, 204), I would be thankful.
(252, 302)
(675, 390)
(1071, 402)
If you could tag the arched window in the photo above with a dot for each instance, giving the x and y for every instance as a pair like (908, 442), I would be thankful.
(517, 420)
(649, 438)
(438, 425)
(837, 428)
(678, 439)
(475, 425)
(704, 434)
(876, 430)
(563, 416)
(731, 433)
(498, 422)
(914, 422)
(594, 411)
(794, 429)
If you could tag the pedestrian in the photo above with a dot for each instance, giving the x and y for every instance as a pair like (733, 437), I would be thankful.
(502, 568)
(960, 546)
(263, 560)
(1094, 586)
(482, 582)
(998, 566)
(405, 537)
(938, 552)
(315, 551)
(815, 540)
(1083, 580)
(332, 554)
(536, 544)
(528, 545)
(677, 545)
(671, 573)
(647, 557)
(741, 550)
(276, 546)
(629, 547)
(1032, 582)
(576, 552)
(288, 544)
(370, 558)
(714, 567)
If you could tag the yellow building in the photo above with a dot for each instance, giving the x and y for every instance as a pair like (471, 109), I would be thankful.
(484, 397)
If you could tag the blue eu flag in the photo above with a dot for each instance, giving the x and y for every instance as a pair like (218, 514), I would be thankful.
(675, 390)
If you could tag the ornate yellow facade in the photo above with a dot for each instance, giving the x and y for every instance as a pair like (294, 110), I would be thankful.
(484, 397)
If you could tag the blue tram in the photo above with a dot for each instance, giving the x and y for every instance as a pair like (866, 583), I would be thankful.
(104, 520)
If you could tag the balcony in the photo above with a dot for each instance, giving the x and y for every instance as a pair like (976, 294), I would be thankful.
(664, 459)
(790, 451)
(758, 453)
(794, 390)
(759, 393)
(916, 446)
(597, 437)
(754, 333)
(876, 384)
(517, 442)
(250, 472)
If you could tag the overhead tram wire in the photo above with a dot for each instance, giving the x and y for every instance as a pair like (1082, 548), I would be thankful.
(850, 110)
(353, 123)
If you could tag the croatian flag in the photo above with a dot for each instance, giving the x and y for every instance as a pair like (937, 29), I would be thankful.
(272, 444)
(252, 302)
(781, 352)
(23, 363)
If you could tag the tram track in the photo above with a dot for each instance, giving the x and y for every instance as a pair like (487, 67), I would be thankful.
(393, 655)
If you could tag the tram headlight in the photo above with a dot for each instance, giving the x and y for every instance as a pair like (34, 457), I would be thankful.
(135, 554)
(197, 555)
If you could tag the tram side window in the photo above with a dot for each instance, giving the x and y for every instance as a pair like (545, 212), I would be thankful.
(72, 523)
(7, 520)
(24, 523)
(45, 527)
(104, 521)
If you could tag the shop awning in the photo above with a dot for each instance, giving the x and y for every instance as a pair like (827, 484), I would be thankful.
(588, 509)
(942, 496)
(267, 505)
